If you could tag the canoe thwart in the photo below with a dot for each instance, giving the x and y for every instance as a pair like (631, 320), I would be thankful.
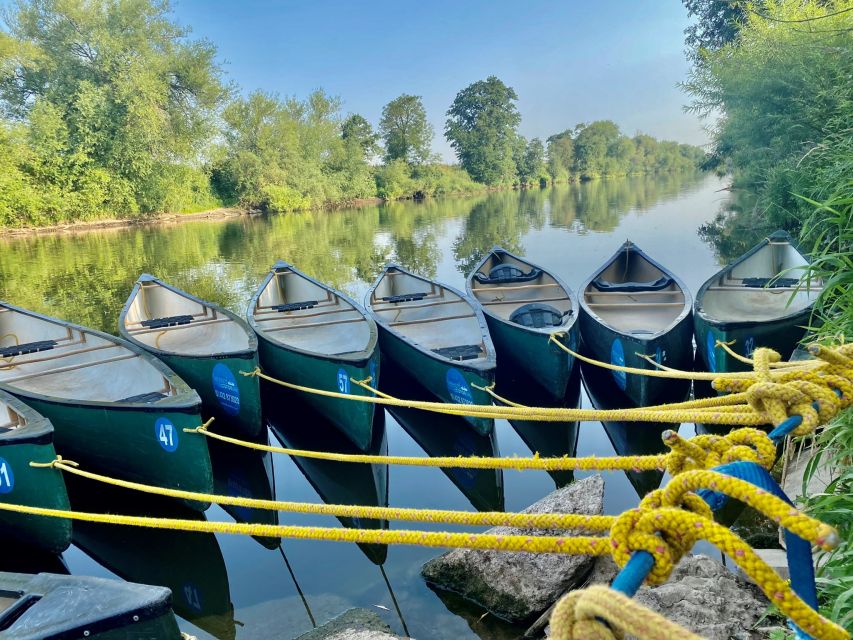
(405, 297)
(629, 287)
(460, 352)
(28, 347)
(168, 321)
(507, 273)
(770, 283)
(296, 306)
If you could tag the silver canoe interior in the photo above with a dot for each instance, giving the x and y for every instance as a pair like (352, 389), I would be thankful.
(638, 312)
(74, 365)
(502, 299)
(9, 418)
(729, 299)
(328, 324)
(438, 320)
(202, 330)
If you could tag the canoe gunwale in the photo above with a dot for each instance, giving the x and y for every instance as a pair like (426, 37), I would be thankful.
(728, 325)
(487, 364)
(572, 296)
(243, 354)
(354, 358)
(687, 307)
(37, 430)
(185, 399)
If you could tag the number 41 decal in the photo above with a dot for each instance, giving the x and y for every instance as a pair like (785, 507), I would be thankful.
(166, 434)
(7, 478)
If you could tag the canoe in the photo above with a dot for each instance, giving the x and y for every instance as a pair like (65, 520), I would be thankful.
(206, 345)
(298, 425)
(762, 299)
(435, 333)
(525, 307)
(35, 607)
(632, 306)
(26, 436)
(114, 407)
(314, 336)
(189, 563)
(626, 438)
(442, 435)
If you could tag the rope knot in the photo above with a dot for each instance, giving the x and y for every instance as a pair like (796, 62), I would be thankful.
(54, 463)
(707, 451)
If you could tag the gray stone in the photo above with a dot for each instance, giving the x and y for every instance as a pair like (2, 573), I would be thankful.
(518, 586)
(354, 624)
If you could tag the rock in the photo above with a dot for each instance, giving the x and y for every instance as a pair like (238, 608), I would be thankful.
(518, 586)
(701, 595)
(354, 624)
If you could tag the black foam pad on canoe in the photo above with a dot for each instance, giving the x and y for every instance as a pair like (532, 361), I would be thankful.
(632, 287)
(296, 306)
(406, 297)
(145, 397)
(505, 273)
(169, 321)
(770, 283)
(460, 352)
(537, 316)
(27, 347)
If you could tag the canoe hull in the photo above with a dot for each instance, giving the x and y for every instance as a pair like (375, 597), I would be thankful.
(672, 349)
(227, 395)
(353, 418)
(143, 444)
(534, 354)
(452, 383)
(35, 487)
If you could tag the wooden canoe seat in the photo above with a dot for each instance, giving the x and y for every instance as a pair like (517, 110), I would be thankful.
(460, 352)
(630, 305)
(296, 306)
(406, 297)
(525, 300)
(27, 347)
(436, 320)
(166, 322)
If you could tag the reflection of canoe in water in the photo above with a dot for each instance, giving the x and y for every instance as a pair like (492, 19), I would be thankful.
(114, 407)
(314, 336)
(60, 606)
(633, 305)
(245, 473)
(298, 426)
(548, 439)
(756, 301)
(627, 438)
(188, 563)
(436, 333)
(525, 306)
(444, 435)
(208, 346)
(26, 436)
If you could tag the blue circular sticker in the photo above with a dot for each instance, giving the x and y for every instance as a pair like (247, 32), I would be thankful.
(166, 434)
(7, 478)
(225, 389)
(660, 355)
(711, 344)
(343, 381)
(458, 389)
(617, 357)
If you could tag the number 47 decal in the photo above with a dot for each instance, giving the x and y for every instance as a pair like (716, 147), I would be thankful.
(166, 434)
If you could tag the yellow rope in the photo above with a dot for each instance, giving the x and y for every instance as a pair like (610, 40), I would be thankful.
(726, 346)
(602, 613)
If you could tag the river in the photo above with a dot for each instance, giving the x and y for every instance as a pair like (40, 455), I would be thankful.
(568, 229)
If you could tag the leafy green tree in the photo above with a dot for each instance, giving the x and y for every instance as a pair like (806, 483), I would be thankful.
(561, 155)
(481, 128)
(532, 169)
(592, 143)
(357, 130)
(405, 130)
(717, 24)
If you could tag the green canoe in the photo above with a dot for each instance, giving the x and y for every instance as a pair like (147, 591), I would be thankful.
(437, 335)
(314, 336)
(36, 607)
(26, 437)
(206, 345)
(633, 306)
(762, 299)
(525, 307)
(114, 407)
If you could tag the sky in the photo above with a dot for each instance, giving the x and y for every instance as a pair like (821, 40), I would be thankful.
(568, 61)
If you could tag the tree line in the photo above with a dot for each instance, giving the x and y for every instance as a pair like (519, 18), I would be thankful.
(112, 109)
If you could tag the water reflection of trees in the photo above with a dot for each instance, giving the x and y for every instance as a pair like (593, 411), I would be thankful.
(734, 230)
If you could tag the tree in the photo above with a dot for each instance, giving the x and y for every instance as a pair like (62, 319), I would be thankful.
(481, 128)
(561, 155)
(358, 131)
(405, 130)
(592, 142)
(718, 23)
(532, 169)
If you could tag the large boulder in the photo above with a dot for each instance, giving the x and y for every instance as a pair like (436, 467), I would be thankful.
(518, 586)
(354, 624)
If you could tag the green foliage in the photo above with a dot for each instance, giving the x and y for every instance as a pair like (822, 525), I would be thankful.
(399, 180)
(358, 131)
(561, 156)
(532, 169)
(481, 128)
(717, 24)
(405, 130)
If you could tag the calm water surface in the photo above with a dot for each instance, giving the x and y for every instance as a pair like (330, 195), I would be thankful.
(275, 592)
